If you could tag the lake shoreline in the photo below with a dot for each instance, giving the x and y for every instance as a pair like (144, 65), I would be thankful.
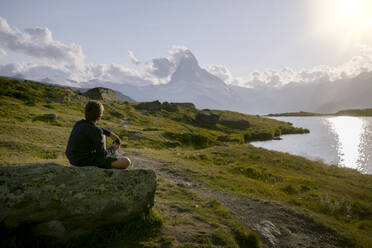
(335, 140)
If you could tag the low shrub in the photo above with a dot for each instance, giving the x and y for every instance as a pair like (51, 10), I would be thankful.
(257, 136)
(197, 141)
(257, 174)
(45, 154)
(290, 189)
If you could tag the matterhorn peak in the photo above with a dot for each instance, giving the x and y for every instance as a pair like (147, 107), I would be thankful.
(188, 71)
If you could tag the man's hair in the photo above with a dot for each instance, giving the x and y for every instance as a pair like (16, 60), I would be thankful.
(93, 110)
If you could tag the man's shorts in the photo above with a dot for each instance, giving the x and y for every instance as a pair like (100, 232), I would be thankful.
(104, 164)
(108, 161)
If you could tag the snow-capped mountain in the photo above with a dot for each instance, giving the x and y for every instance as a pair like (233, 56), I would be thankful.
(188, 83)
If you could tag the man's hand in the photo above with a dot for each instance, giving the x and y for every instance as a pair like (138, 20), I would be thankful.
(116, 140)
(116, 147)
(114, 137)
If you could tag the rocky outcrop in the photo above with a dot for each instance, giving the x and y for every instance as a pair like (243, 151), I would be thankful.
(170, 107)
(149, 106)
(156, 106)
(235, 123)
(207, 118)
(67, 202)
(100, 93)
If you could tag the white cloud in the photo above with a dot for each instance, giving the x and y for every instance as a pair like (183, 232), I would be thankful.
(133, 59)
(104, 72)
(116, 73)
(163, 67)
(38, 42)
(221, 72)
(280, 77)
(67, 61)
(37, 72)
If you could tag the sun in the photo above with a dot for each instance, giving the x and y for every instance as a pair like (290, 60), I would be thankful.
(355, 12)
(348, 21)
(350, 9)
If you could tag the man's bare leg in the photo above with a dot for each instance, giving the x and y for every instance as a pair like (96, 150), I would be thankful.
(121, 163)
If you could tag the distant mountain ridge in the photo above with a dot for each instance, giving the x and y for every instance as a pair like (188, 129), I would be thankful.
(191, 83)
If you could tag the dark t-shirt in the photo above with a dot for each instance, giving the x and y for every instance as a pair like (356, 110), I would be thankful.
(85, 146)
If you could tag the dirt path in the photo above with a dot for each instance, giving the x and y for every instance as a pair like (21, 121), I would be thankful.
(277, 226)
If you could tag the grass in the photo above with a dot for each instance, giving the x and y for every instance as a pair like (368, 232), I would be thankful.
(205, 221)
(338, 198)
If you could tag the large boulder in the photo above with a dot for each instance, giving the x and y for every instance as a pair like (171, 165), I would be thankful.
(149, 106)
(170, 107)
(207, 119)
(100, 93)
(235, 123)
(68, 202)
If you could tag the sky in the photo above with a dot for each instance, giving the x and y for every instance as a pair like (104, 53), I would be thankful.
(240, 38)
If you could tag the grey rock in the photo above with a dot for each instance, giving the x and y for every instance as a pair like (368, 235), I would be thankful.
(185, 184)
(207, 118)
(100, 93)
(66, 202)
(269, 232)
(51, 117)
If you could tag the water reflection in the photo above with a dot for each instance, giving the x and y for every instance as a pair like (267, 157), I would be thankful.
(349, 133)
(342, 140)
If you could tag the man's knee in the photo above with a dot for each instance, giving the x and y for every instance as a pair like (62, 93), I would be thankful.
(121, 163)
(126, 161)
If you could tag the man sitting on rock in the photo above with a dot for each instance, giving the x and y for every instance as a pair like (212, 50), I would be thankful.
(87, 143)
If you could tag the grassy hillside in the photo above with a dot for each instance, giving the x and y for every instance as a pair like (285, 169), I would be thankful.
(355, 112)
(36, 119)
(301, 113)
(346, 112)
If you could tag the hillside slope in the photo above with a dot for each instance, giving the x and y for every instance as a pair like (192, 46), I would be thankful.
(208, 175)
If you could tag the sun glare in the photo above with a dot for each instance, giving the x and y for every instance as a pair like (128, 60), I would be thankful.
(368, 21)
(354, 13)
(347, 22)
(350, 9)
